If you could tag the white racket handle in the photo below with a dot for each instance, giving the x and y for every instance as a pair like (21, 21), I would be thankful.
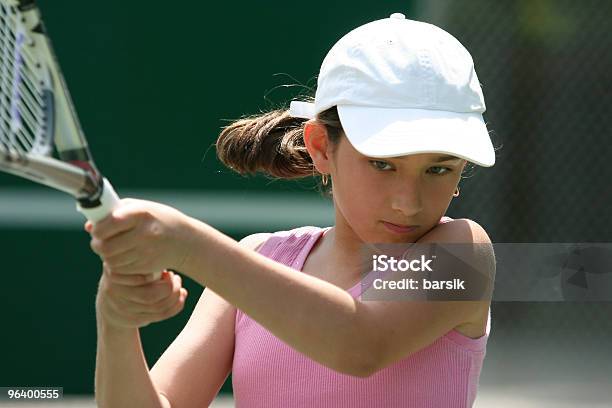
(108, 201)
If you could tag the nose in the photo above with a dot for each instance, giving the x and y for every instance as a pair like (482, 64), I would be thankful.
(407, 199)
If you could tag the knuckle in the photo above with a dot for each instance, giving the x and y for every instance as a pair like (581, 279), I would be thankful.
(102, 247)
(174, 284)
(154, 230)
(175, 296)
(179, 280)
(144, 215)
(94, 245)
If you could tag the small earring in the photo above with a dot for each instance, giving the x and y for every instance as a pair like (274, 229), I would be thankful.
(324, 179)
(456, 194)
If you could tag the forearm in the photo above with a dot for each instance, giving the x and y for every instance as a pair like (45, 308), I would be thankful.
(314, 317)
(122, 377)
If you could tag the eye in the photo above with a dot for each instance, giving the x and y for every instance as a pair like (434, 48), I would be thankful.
(438, 173)
(380, 165)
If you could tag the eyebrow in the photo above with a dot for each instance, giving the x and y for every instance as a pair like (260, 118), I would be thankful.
(440, 159)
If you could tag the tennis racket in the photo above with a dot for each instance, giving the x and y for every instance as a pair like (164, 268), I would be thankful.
(40, 135)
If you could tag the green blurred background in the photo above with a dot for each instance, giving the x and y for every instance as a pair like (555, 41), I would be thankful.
(153, 85)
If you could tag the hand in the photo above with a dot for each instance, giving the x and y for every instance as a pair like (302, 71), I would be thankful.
(135, 301)
(142, 237)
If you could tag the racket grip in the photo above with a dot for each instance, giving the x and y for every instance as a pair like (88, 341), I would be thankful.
(108, 201)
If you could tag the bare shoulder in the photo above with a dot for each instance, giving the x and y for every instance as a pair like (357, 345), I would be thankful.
(255, 241)
(464, 230)
(478, 231)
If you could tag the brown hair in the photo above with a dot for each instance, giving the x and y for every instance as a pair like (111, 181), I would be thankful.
(272, 143)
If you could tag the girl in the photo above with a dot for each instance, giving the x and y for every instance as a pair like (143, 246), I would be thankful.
(396, 117)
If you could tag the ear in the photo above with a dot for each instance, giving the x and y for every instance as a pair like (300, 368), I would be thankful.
(318, 145)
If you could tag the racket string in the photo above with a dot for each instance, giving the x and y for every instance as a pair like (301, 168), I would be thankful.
(29, 62)
(22, 124)
(6, 77)
(26, 75)
(31, 110)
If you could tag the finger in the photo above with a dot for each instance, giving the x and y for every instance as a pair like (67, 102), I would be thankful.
(126, 315)
(148, 294)
(140, 267)
(120, 285)
(121, 297)
(161, 307)
(172, 310)
(119, 244)
(130, 306)
(88, 226)
(123, 260)
(125, 217)
(135, 280)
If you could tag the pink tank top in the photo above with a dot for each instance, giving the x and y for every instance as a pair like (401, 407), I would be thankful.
(268, 373)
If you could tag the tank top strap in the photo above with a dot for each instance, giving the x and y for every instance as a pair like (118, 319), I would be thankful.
(291, 247)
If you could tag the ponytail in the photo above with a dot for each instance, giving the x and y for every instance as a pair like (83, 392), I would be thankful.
(273, 143)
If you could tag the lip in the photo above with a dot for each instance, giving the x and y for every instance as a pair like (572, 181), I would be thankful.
(400, 229)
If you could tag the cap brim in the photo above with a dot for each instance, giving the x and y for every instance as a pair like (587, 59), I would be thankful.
(390, 132)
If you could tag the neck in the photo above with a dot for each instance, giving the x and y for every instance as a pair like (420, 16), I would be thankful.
(343, 253)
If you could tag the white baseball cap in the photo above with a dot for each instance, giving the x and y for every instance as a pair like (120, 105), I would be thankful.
(403, 87)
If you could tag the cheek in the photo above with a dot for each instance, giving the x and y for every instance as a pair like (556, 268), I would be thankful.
(442, 190)
(356, 194)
